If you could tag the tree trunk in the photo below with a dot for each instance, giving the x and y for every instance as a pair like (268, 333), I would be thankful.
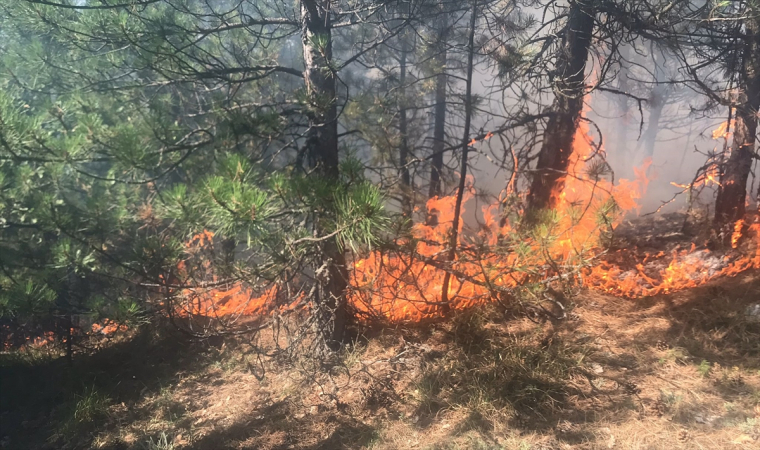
(228, 252)
(657, 101)
(322, 153)
(553, 159)
(439, 125)
(658, 98)
(621, 147)
(403, 153)
(732, 194)
(454, 239)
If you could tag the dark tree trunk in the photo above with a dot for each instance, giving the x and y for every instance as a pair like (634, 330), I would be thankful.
(657, 101)
(454, 238)
(69, 336)
(732, 194)
(621, 147)
(403, 152)
(625, 107)
(658, 98)
(65, 306)
(553, 159)
(228, 251)
(439, 124)
(322, 153)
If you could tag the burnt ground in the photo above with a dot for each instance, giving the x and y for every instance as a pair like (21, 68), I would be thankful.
(679, 371)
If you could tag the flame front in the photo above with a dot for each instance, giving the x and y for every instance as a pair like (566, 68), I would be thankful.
(205, 294)
(406, 285)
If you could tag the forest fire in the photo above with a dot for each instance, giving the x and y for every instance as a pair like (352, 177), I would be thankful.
(211, 297)
(431, 224)
(401, 288)
(406, 285)
(408, 288)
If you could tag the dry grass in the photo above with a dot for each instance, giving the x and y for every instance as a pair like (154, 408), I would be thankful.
(672, 372)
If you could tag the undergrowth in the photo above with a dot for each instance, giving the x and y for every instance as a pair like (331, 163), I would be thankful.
(83, 412)
(495, 375)
(484, 379)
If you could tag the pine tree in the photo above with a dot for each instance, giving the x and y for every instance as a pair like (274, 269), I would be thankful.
(149, 124)
(570, 90)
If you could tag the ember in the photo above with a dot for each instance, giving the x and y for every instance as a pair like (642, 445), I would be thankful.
(108, 327)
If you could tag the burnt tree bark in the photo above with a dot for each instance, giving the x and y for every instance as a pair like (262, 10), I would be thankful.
(439, 121)
(732, 194)
(554, 157)
(454, 237)
(321, 148)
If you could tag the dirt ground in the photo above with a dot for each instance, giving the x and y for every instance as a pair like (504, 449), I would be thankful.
(679, 371)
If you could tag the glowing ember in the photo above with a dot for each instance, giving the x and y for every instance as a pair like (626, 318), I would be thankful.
(107, 327)
(40, 341)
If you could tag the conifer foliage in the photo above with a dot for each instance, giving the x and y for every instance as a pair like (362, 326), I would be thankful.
(127, 128)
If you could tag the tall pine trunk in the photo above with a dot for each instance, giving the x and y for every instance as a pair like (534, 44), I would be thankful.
(553, 159)
(439, 124)
(621, 146)
(657, 101)
(454, 236)
(732, 194)
(322, 153)
(403, 152)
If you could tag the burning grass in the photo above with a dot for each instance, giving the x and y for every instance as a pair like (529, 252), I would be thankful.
(675, 368)
(566, 246)
(575, 245)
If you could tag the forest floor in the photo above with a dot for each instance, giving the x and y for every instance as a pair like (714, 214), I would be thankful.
(678, 371)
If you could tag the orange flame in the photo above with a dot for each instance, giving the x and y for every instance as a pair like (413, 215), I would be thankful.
(687, 268)
(407, 287)
(208, 296)
(108, 327)
(737, 234)
(723, 131)
(710, 177)
(403, 288)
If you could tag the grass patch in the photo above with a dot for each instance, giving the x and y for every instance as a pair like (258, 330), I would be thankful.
(704, 368)
(493, 374)
(161, 443)
(86, 410)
